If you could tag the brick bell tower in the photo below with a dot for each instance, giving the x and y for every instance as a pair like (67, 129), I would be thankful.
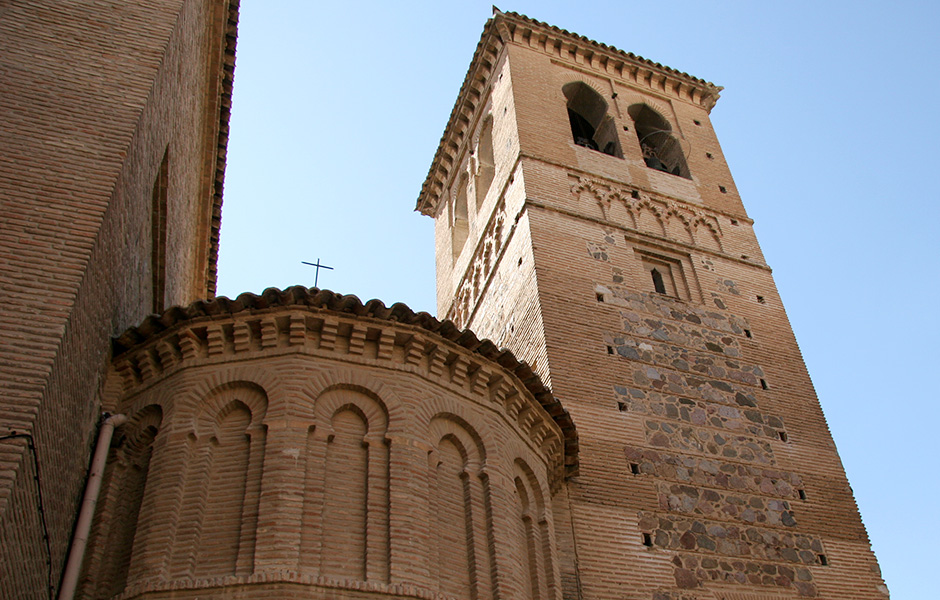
(587, 220)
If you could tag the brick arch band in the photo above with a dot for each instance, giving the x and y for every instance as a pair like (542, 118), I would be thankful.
(335, 453)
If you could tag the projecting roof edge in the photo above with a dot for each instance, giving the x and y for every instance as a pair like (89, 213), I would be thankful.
(517, 19)
(512, 27)
(226, 80)
(302, 297)
(433, 183)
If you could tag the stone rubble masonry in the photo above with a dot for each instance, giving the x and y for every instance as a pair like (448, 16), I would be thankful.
(699, 413)
(706, 469)
(749, 509)
(94, 94)
(712, 473)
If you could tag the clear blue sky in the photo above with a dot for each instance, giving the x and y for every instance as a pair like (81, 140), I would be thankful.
(829, 121)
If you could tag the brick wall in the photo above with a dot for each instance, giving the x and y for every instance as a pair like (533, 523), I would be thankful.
(324, 453)
(706, 463)
(94, 95)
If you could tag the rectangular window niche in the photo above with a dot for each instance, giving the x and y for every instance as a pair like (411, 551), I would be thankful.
(665, 274)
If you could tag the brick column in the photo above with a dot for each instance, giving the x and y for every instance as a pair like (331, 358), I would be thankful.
(410, 518)
(508, 583)
(160, 508)
(280, 509)
(377, 517)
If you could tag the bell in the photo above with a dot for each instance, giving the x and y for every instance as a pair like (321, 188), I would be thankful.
(654, 163)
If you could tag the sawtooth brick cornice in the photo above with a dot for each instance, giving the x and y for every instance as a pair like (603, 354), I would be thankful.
(224, 329)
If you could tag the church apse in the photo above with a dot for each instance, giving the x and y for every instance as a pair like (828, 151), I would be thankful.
(302, 440)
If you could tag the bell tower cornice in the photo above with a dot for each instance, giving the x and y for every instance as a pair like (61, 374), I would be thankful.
(577, 51)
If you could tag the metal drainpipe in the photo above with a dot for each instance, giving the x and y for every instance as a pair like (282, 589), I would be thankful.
(92, 488)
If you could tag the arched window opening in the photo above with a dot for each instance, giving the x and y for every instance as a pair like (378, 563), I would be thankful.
(345, 509)
(533, 537)
(526, 537)
(461, 540)
(225, 494)
(454, 526)
(658, 284)
(345, 521)
(663, 274)
(661, 149)
(460, 226)
(126, 487)
(591, 126)
(158, 234)
(486, 168)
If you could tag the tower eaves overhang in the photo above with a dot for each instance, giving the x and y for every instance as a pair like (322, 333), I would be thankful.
(509, 27)
(223, 80)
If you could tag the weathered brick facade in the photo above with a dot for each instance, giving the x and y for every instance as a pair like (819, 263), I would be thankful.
(664, 444)
(607, 246)
(93, 97)
(302, 444)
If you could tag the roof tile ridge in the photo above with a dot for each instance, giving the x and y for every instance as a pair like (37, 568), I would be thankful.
(609, 47)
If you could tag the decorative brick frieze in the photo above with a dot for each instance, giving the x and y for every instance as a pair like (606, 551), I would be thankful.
(652, 213)
(143, 366)
(484, 259)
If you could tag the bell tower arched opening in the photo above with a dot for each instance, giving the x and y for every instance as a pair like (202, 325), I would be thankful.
(591, 126)
(661, 149)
